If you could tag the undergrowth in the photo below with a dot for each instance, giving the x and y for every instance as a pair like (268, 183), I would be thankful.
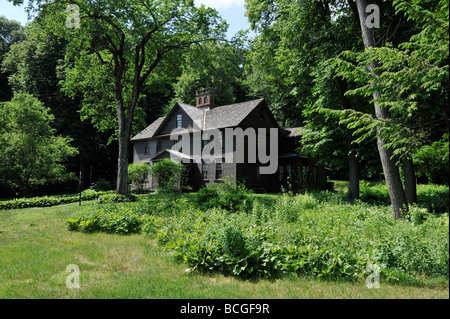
(316, 234)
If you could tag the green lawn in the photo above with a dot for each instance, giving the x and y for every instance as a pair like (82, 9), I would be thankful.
(36, 248)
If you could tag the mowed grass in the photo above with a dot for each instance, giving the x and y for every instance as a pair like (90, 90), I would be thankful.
(36, 248)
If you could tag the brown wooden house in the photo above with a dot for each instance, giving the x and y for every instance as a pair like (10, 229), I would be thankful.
(293, 170)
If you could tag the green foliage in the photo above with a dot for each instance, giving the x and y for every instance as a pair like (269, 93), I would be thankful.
(101, 185)
(47, 201)
(207, 197)
(168, 175)
(374, 194)
(432, 162)
(116, 198)
(10, 32)
(112, 219)
(233, 242)
(34, 66)
(211, 65)
(434, 198)
(137, 175)
(265, 79)
(418, 215)
(139, 218)
(411, 79)
(322, 239)
(289, 212)
(30, 154)
(120, 48)
(317, 234)
(228, 195)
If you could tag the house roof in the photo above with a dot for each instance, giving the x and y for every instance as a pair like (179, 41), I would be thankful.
(149, 131)
(218, 117)
(195, 113)
(229, 115)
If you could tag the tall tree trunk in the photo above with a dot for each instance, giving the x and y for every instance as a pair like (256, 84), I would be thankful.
(122, 165)
(409, 175)
(390, 170)
(124, 126)
(393, 180)
(122, 172)
(353, 177)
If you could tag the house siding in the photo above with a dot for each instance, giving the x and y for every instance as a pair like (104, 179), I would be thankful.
(139, 151)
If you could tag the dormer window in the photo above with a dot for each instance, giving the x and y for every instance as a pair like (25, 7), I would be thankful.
(179, 120)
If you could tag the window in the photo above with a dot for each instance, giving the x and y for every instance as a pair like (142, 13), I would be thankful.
(179, 120)
(281, 171)
(147, 148)
(205, 170)
(289, 172)
(219, 169)
(158, 146)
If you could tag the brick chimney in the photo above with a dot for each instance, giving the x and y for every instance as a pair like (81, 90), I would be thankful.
(205, 99)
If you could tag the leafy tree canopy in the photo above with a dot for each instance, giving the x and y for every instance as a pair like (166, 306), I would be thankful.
(30, 154)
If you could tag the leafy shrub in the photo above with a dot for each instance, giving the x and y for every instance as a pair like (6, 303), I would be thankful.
(435, 198)
(151, 223)
(228, 195)
(46, 201)
(374, 194)
(119, 220)
(260, 213)
(207, 197)
(290, 207)
(116, 198)
(418, 215)
(137, 175)
(233, 242)
(168, 175)
(432, 162)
